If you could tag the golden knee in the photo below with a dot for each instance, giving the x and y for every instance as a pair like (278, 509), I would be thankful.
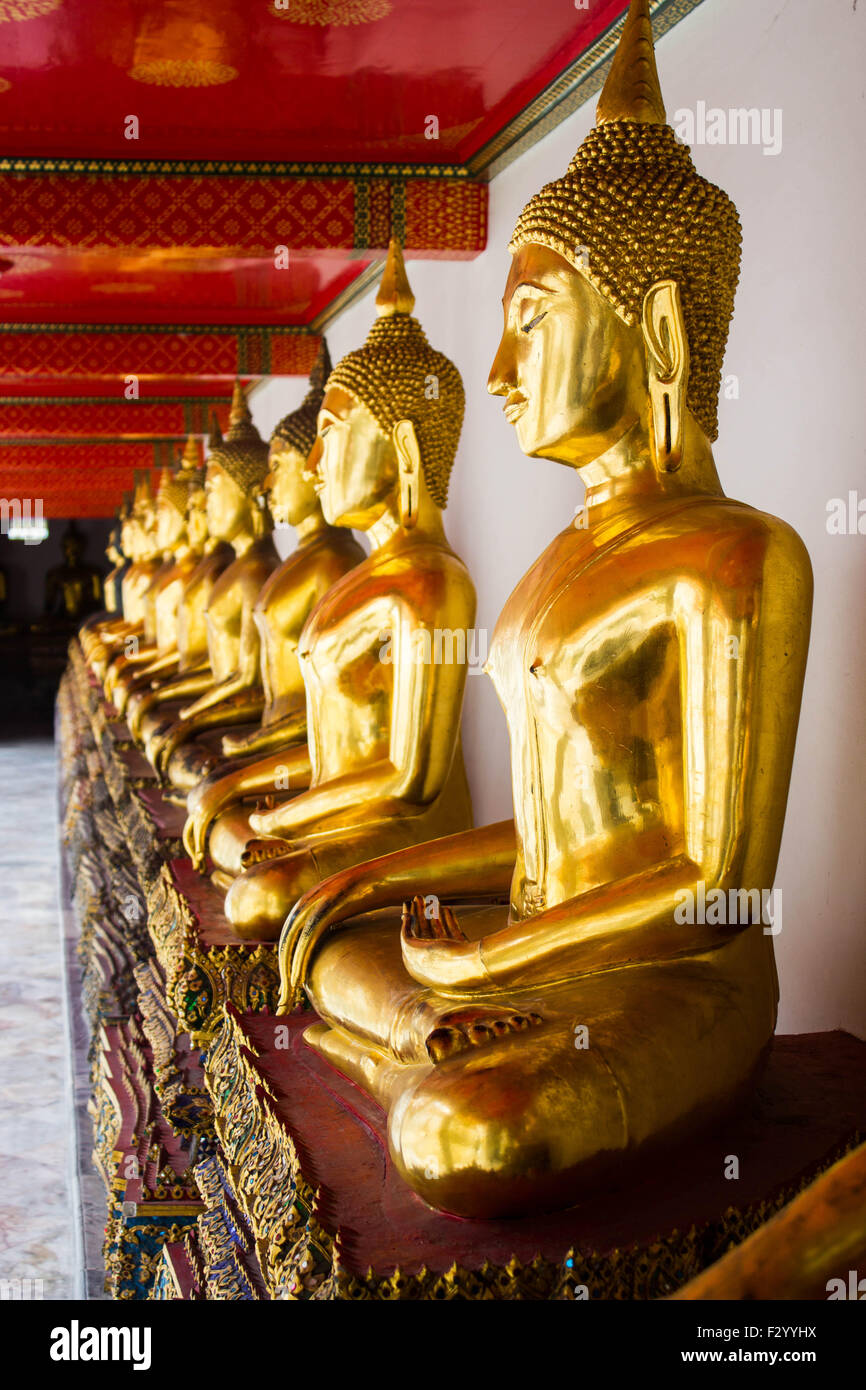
(502, 1133)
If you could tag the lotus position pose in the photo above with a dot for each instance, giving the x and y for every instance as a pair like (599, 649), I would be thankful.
(383, 760)
(650, 665)
(230, 691)
(323, 555)
(101, 639)
(181, 536)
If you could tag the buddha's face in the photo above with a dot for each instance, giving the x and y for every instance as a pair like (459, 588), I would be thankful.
(353, 463)
(146, 532)
(127, 537)
(169, 525)
(227, 505)
(291, 490)
(196, 522)
(573, 374)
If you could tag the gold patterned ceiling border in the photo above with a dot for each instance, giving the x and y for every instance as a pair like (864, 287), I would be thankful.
(567, 93)
(282, 330)
(205, 402)
(223, 168)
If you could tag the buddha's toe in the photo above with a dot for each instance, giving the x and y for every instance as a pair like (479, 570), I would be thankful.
(475, 1027)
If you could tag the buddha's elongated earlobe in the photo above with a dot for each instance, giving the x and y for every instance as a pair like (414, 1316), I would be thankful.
(667, 350)
(408, 471)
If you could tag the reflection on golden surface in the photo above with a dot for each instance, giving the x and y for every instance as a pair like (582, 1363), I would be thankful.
(650, 665)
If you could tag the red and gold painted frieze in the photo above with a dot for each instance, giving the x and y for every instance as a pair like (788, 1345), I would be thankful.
(25, 418)
(33, 354)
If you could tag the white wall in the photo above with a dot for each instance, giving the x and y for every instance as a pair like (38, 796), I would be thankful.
(792, 441)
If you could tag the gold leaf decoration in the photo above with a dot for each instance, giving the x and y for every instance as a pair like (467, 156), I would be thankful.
(182, 72)
(26, 9)
(331, 13)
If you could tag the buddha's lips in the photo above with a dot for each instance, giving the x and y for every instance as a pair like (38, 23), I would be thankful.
(513, 409)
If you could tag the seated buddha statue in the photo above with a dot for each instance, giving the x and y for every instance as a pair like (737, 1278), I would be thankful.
(650, 665)
(118, 561)
(230, 691)
(139, 542)
(145, 708)
(323, 554)
(182, 549)
(382, 766)
(73, 589)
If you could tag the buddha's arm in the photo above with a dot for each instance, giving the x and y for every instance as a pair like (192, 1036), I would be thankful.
(625, 923)
(243, 679)
(246, 705)
(161, 665)
(426, 704)
(472, 864)
(268, 737)
(285, 771)
(123, 661)
(190, 683)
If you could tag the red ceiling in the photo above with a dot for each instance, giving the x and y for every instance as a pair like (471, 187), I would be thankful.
(160, 286)
(295, 91)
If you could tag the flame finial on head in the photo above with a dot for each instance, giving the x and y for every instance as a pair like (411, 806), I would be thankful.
(190, 459)
(632, 91)
(395, 293)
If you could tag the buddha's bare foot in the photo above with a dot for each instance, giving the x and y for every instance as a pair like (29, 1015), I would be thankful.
(475, 1027)
(261, 851)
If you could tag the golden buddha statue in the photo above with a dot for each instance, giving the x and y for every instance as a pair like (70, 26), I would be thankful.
(323, 555)
(139, 543)
(230, 691)
(181, 532)
(118, 561)
(148, 708)
(73, 589)
(650, 665)
(382, 766)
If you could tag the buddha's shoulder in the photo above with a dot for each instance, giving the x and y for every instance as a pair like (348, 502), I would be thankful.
(738, 539)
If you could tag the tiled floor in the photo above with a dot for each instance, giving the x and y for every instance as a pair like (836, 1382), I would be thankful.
(38, 1217)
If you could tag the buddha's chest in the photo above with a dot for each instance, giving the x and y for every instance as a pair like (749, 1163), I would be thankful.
(346, 649)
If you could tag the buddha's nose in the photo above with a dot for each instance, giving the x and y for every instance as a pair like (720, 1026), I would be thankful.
(500, 382)
(311, 467)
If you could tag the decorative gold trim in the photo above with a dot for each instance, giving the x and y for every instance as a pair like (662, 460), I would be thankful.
(236, 329)
(229, 168)
(113, 401)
